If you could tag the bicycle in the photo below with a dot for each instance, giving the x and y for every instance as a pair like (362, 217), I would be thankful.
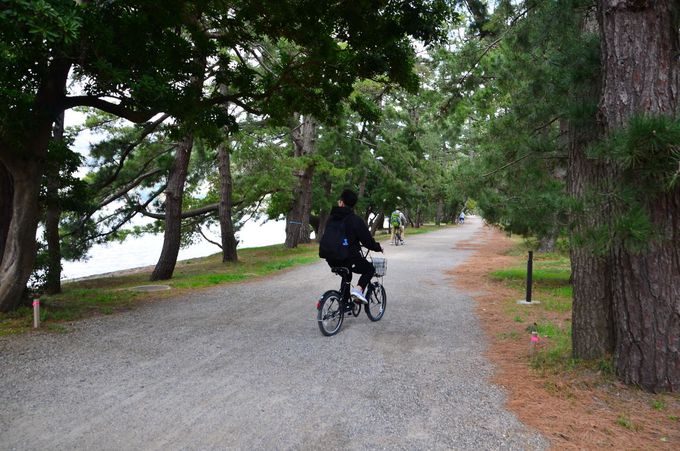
(335, 304)
(397, 237)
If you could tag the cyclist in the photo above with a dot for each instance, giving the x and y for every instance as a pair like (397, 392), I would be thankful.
(461, 217)
(397, 219)
(357, 234)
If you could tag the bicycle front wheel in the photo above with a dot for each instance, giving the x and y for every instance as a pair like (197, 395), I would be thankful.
(377, 302)
(330, 313)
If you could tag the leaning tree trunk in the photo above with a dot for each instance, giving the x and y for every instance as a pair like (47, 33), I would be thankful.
(377, 222)
(173, 211)
(229, 242)
(20, 245)
(6, 194)
(24, 166)
(53, 215)
(641, 76)
(297, 219)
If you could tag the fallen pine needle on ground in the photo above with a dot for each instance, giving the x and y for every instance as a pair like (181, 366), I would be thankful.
(574, 405)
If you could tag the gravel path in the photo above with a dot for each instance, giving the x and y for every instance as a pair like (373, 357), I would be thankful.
(245, 367)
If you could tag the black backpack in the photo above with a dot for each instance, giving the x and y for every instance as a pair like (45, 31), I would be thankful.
(334, 243)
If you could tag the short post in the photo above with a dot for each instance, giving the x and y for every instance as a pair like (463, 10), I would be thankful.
(530, 268)
(36, 313)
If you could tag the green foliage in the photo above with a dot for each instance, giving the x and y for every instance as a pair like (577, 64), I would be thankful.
(647, 151)
(645, 158)
(625, 422)
(518, 83)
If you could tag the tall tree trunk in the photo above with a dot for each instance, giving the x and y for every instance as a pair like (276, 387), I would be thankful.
(53, 215)
(592, 315)
(6, 194)
(20, 245)
(324, 214)
(641, 75)
(25, 168)
(440, 211)
(297, 219)
(173, 211)
(229, 242)
(377, 222)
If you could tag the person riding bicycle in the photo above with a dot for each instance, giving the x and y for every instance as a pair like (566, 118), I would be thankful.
(357, 234)
(461, 217)
(397, 220)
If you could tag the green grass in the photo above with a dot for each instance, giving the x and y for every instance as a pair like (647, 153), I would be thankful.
(556, 356)
(625, 422)
(550, 286)
(106, 296)
(658, 404)
(554, 276)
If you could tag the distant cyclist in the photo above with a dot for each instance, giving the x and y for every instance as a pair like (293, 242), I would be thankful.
(357, 234)
(461, 218)
(397, 220)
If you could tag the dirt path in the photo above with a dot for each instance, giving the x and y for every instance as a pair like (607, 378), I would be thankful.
(244, 366)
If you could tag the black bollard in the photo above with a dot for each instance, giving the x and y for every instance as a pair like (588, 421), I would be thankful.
(530, 263)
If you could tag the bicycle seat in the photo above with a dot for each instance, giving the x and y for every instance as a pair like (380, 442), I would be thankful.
(340, 270)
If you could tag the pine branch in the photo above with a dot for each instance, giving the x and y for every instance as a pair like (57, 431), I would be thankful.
(200, 231)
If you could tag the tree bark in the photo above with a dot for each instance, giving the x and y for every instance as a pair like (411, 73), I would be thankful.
(229, 242)
(324, 215)
(53, 216)
(173, 211)
(24, 164)
(6, 195)
(641, 75)
(377, 222)
(440, 212)
(592, 315)
(297, 219)
(20, 245)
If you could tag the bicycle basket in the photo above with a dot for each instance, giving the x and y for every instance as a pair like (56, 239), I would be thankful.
(380, 265)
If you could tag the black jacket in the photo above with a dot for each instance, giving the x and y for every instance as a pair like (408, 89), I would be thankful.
(357, 232)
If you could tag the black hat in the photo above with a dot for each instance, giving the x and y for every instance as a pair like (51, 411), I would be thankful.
(349, 197)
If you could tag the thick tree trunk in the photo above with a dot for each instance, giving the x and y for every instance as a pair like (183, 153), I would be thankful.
(641, 75)
(52, 217)
(173, 211)
(297, 219)
(229, 242)
(592, 315)
(324, 215)
(377, 222)
(592, 320)
(6, 195)
(439, 216)
(25, 166)
(20, 245)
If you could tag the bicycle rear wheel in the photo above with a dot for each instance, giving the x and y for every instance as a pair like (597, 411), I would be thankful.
(377, 302)
(330, 313)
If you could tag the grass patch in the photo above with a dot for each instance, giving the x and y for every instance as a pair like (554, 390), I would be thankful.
(658, 404)
(556, 355)
(626, 422)
(551, 275)
(548, 276)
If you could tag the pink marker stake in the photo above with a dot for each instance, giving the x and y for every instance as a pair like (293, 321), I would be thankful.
(36, 313)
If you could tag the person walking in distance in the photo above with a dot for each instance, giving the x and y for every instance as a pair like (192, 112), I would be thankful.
(341, 243)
